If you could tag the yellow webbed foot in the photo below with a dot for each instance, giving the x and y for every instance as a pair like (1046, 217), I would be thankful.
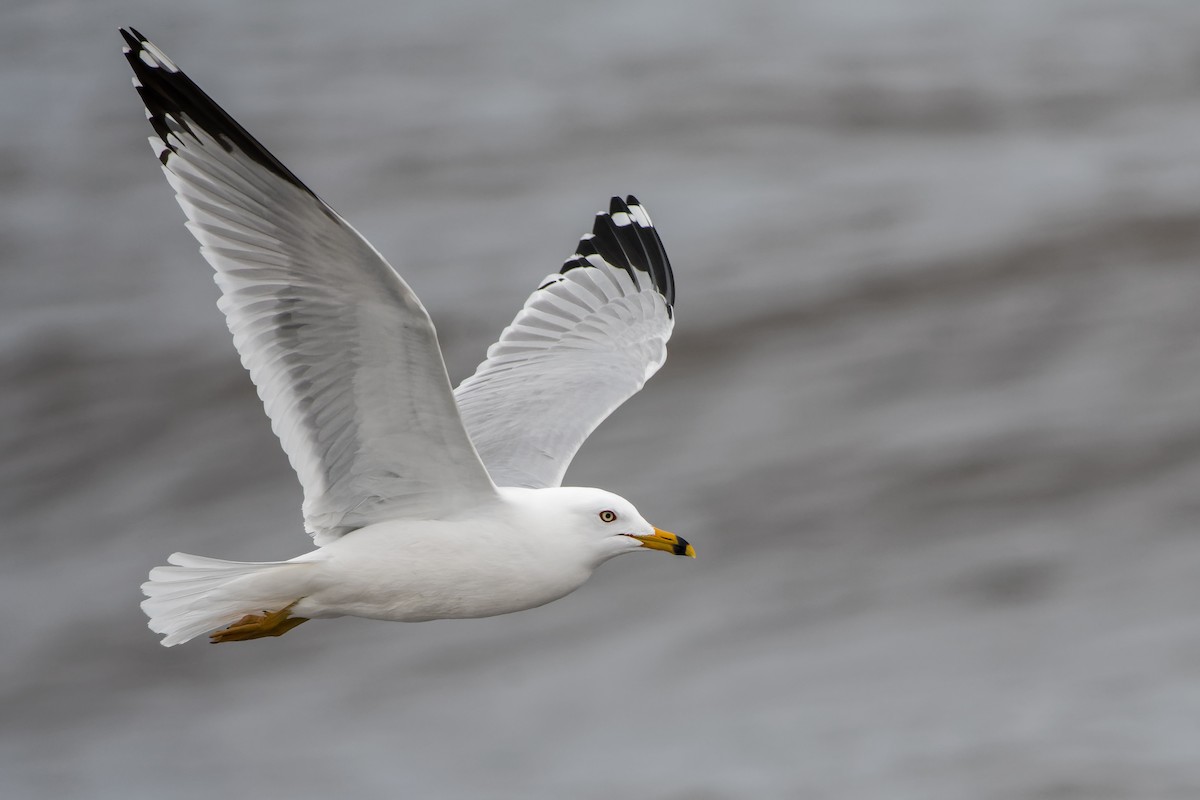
(255, 626)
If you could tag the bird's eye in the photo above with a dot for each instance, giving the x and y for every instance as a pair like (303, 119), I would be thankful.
(608, 516)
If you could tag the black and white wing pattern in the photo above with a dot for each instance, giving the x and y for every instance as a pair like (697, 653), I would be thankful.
(584, 343)
(345, 358)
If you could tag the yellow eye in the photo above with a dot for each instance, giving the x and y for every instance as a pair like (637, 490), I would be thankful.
(608, 516)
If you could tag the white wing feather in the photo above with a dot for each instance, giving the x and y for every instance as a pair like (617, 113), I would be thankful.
(584, 343)
(345, 358)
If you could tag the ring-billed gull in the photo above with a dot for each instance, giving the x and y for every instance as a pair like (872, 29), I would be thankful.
(425, 502)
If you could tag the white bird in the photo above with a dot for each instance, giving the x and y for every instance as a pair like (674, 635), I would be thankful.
(425, 503)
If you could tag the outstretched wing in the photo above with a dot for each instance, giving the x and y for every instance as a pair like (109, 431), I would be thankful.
(345, 358)
(584, 343)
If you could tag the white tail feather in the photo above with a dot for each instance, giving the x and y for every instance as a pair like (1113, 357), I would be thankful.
(196, 594)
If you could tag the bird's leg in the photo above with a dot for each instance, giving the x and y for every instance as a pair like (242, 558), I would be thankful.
(256, 626)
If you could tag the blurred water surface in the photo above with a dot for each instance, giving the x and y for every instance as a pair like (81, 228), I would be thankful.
(931, 416)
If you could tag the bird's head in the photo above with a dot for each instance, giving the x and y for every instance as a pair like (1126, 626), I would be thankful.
(609, 523)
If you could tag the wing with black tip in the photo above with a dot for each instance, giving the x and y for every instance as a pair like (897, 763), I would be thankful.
(345, 358)
(583, 344)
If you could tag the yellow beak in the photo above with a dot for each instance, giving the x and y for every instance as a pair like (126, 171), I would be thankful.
(668, 542)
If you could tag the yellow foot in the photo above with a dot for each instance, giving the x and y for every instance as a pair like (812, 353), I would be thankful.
(255, 626)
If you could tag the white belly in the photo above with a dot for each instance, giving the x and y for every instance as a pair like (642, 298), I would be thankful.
(413, 572)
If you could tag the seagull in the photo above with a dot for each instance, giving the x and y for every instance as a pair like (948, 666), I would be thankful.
(425, 502)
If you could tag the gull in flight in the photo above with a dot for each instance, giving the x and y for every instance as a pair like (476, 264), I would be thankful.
(425, 502)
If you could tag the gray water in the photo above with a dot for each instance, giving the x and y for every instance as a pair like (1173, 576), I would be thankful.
(931, 415)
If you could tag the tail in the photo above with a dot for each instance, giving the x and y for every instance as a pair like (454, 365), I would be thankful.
(197, 594)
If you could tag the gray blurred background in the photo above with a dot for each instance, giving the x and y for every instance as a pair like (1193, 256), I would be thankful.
(931, 416)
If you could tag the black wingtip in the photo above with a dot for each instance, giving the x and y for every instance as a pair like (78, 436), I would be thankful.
(175, 102)
(625, 237)
(661, 272)
(133, 37)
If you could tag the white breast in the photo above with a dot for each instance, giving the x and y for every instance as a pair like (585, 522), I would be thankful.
(415, 571)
